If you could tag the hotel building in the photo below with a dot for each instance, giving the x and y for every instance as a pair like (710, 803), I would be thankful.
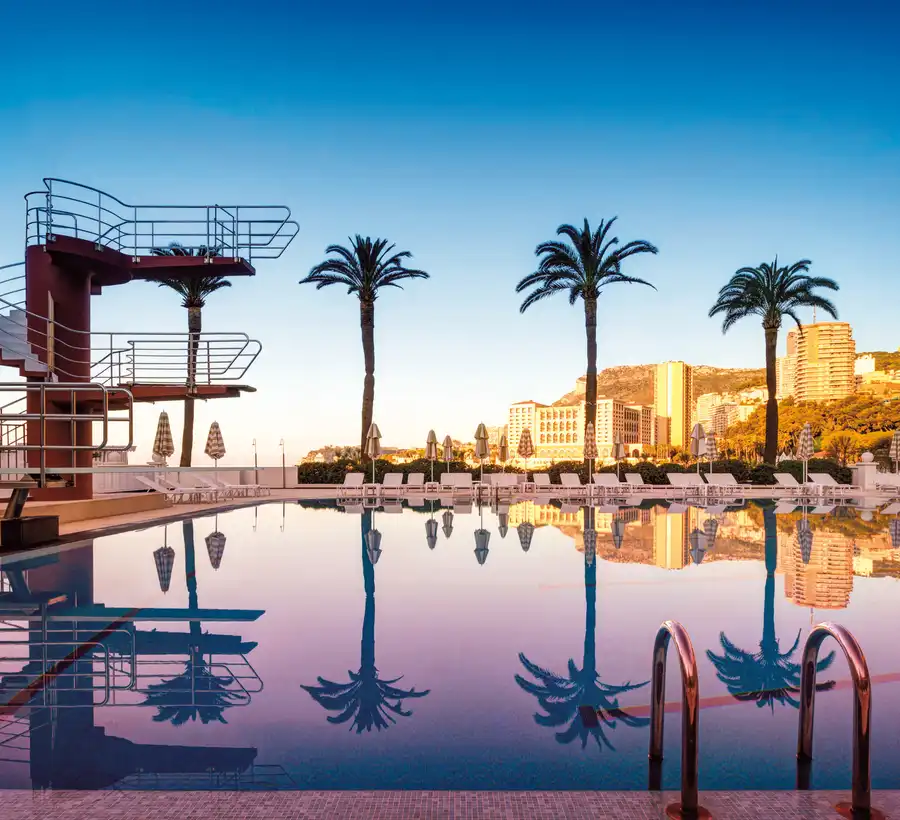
(820, 363)
(673, 399)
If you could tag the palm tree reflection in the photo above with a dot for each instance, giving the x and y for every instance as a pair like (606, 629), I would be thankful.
(560, 696)
(769, 675)
(197, 691)
(369, 701)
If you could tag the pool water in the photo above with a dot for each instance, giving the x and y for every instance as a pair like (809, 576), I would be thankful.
(436, 648)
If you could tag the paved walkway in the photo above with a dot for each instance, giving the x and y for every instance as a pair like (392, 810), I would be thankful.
(410, 805)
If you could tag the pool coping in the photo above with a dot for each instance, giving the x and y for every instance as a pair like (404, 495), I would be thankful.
(419, 805)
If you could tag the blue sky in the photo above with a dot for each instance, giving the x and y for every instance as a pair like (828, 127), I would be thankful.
(724, 136)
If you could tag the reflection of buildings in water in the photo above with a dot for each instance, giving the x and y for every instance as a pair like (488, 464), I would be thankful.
(827, 580)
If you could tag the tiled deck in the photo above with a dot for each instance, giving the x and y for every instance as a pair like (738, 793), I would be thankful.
(407, 805)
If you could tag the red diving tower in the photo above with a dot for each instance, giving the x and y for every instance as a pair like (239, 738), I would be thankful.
(78, 241)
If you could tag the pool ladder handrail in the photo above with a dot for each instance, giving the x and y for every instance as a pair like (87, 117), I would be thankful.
(690, 804)
(861, 785)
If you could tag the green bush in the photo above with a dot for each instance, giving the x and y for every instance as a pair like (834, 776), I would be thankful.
(763, 474)
(739, 469)
(649, 472)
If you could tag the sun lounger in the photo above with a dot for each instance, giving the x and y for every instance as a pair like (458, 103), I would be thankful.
(609, 484)
(178, 494)
(352, 486)
(828, 486)
(393, 506)
(571, 484)
(785, 507)
(635, 482)
(887, 481)
(392, 485)
(505, 484)
(786, 481)
(457, 483)
(542, 483)
(891, 509)
(415, 483)
(687, 483)
(235, 490)
(723, 482)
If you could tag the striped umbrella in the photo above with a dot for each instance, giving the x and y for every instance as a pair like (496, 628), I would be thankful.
(805, 448)
(712, 449)
(431, 452)
(163, 446)
(526, 531)
(482, 447)
(526, 445)
(447, 520)
(448, 450)
(373, 448)
(698, 443)
(164, 558)
(590, 546)
(894, 528)
(503, 450)
(618, 453)
(711, 528)
(894, 452)
(804, 539)
(215, 547)
(590, 446)
(215, 446)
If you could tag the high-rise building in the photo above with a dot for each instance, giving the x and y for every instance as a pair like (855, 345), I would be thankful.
(825, 358)
(673, 398)
(785, 376)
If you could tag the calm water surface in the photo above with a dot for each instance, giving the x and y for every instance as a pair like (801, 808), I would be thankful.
(268, 650)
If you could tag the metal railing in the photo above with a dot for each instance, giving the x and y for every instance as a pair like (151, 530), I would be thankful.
(72, 209)
(126, 358)
(689, 807)
(861, 784)
(72, 393)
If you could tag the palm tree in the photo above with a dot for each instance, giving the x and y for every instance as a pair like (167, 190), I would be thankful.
(194, 291)
(366, 699)
(561, 696)
(582, 269)
(364, 268)
(772, 293)
(769, 675)
(197, 691)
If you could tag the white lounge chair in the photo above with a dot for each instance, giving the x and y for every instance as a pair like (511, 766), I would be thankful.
(457, 483)
(352, 486)
(392, 485)
(542, 483)
(723, 482)
(505, 484)
(235, 490)
(635, 481)
(687, 483)
(177, 493)
(786, 481)
(571, 484)
(609, 484)
(828, 486)
(415, 483)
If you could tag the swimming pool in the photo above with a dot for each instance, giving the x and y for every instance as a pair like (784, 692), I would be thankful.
(451, 650)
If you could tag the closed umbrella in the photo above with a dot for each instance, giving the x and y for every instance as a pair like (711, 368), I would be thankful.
(163, 446)
(447, 520)
(373, 545)
(698, 545)
(215, 446)
(482, 447)
(431, 530)
(448, 451)
(894, 528)
(711, 528)
(805, 449)
(590, 447)
(618, 453)
(373, 446)
(503, 524)
(526, 446)
(526, 531)
(712, 449)
(894, 452)
(215, 546)
(164, 558)
(482, 538)
(431, 450)
(590, 546)
(617, 527)
(503, 453)
(698, 443)
(804, 539)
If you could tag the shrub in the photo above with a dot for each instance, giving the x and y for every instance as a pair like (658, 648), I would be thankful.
(739, 469)
(763, 474)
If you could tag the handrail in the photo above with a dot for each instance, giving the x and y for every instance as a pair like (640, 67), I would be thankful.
(263, 231)
(690, 710)
(861, 786)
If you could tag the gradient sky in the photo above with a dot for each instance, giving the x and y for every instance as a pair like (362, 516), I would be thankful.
(723, 135)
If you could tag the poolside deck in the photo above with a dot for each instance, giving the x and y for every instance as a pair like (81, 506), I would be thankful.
(410, 805)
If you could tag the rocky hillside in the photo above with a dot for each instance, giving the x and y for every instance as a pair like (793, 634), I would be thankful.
(634, 383)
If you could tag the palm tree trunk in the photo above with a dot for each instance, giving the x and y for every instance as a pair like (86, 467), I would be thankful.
(195, 324)
(190, 573)
(771, 529)
(590, 621)
(590, 392)
(771, 449)
(367, 325)
(367, 644)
